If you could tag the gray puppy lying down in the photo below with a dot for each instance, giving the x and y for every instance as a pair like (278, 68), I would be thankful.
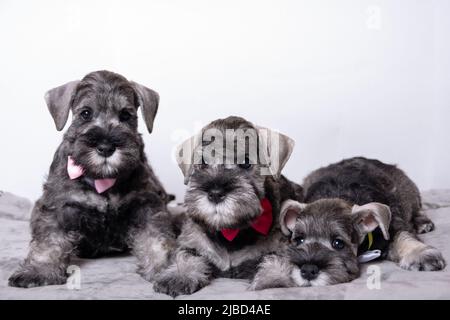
(354, 211)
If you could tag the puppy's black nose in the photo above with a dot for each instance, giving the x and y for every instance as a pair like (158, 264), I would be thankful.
(309, 271)
(105, 150)
(216, 195)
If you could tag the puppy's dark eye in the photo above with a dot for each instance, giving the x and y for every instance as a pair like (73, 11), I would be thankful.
(246, 165)
(124, 115)
(299, 240)
(86, 114)
(338, 244)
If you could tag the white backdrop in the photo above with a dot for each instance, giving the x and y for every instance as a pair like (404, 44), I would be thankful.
(342, 78)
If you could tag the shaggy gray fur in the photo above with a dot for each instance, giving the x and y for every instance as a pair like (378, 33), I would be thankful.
(203, 253)
(344, 202)
(71, 217)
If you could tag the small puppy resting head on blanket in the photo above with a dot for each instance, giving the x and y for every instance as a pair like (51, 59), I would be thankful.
(355, 210)
(325, 236)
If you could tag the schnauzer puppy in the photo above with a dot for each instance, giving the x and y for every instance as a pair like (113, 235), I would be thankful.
(101, 195)
(232, 169)
(356, 210)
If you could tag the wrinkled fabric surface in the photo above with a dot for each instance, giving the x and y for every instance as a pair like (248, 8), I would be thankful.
(115, 277)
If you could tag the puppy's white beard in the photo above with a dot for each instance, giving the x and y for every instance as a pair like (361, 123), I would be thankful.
(217, 214)
(322, 280)
(108, 166)
(298, 279)
(205, 206)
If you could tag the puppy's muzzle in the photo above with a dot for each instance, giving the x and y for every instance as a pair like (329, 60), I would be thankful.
(311, 259)
(105, 149)
(216, 195)
(104, 142)
(309, 271)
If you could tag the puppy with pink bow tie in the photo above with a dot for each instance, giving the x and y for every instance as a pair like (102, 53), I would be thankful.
(101, 195)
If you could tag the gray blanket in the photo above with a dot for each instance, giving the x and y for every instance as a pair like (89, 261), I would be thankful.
(115, 278)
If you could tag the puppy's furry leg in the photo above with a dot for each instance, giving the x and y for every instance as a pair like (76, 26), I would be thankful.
(152, 250)
(412, 254)
(189, 273)
(273, 272)
(152, 244)
(45, 264)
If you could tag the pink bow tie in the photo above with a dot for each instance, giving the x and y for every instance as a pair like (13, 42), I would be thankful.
(75, 171)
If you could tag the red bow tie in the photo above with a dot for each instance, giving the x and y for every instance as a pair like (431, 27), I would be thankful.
(261, 224)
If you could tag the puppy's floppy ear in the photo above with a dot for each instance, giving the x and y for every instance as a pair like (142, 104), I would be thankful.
(290, 210)
(148, 102)
(275, 150)
(370, 216)
(59, 101)
(189, 153)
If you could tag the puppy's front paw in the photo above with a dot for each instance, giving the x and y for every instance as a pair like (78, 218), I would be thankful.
(260, 285)
(175, 284)
(33, 277)
(425, 259)
(423, 224)
(425, 227)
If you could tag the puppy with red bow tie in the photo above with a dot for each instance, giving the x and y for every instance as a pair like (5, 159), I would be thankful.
(232, 170)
